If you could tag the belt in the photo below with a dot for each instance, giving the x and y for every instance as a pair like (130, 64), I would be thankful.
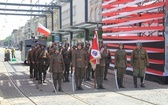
(79, 59)
(140, 58)
(57, 63)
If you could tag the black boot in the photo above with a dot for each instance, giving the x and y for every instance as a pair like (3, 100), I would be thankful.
(142, 84)
(60, 89)
(119, 82)
(135, 81)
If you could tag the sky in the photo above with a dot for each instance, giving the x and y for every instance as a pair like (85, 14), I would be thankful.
(8, 22)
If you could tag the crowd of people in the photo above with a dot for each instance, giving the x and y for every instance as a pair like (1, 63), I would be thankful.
(60, 61)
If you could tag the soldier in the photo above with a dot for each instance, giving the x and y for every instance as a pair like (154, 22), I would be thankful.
(79, 65)
(13, 52)
(107, 62)
(100, 67)
(74, 47)
(43, 58)
(139, 61)
(30, 60)
(51, 49)
(120, 64)
(35, 60)
(66, 53)
(88, 69)
(57, 68)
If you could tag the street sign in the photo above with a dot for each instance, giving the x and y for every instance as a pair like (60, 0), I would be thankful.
(56, 38)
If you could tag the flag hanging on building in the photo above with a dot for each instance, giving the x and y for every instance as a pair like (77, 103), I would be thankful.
(95, 53)
(43, 30)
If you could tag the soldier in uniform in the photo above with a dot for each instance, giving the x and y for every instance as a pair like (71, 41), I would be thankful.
(120, 64)
(30, 60)
(35, 60)
(139, 61)
(43, 58)
(79, 65)
(66, 53)
(72, 53)
(57, 68)
(107, 62)
(88, 69)
(100, 67)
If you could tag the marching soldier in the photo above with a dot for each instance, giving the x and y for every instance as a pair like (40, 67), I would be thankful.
(43, 58)
(35, 60)
(88, 69)
(57, 68)
(79, 65)
(51, 49)
(66, 53)
(120, 64)
(139, 61)
(72, 53)
(100, 67)
(30, 61)
(107, 62)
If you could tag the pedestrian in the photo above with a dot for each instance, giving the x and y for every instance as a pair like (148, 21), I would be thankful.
(13, 52)
(43, 58)
(100, 67)
(79, 65)
(57, 68)
(139, 62)
(30, 60)
(120, 64)
(107, 62)
(88, 69)
(66, 53)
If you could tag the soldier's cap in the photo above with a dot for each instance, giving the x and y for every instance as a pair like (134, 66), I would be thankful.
(80, 43)
(139, 44)
(42, 44)
(54, 43)
(66, 44)
(120, 44)
(56, 48)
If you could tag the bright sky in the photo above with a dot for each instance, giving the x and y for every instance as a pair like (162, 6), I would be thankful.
(8, 22)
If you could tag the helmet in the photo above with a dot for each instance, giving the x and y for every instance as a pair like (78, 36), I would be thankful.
(42, 44)
(120, 44)
(66, 44)
(80, 43)
(56, 48)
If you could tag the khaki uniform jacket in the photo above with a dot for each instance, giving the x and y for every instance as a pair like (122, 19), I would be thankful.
(67, 56)
(139, 59)
(120, 59)
(87, 51)
(51, 51)
(34, 56)
(30, 54)
(79, 59)
(103, 57)
(57, 63)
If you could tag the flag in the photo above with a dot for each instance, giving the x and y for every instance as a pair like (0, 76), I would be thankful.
(95, 53)
(43, 30)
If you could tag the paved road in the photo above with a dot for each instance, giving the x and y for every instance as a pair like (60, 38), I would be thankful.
(153, 94)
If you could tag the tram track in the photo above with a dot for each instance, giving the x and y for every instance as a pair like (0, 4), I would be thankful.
(75, 96)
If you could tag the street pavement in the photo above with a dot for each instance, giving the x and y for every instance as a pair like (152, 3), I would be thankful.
(42, 94)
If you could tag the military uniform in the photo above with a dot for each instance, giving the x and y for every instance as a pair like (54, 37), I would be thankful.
(120, 65)
(107, 62)
(79, 62)
(57, 67)
(66, 53)
(100, 67)
(43, 59)
(30, 61)
(88, 69)
(13, 52)
(139, 61)
(35, 61)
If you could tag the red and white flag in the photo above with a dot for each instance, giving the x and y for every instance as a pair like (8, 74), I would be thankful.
(43, 30)
(95, 53)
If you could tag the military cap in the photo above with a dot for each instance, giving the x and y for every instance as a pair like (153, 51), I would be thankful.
(66, 44)
(139, 44)
(42, 44)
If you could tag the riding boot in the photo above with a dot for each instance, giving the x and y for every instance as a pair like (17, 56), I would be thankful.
(135, 81)
(142, 84)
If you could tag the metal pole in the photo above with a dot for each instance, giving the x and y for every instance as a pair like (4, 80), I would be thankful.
(86, 10)
(71, 20)
(60, 18)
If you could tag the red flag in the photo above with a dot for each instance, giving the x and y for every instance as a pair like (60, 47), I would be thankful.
(95, 53)
(43, 30)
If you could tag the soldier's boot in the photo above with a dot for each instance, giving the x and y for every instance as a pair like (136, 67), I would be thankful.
(80, 84)
(44, 77)
(77, 87)
(121, 83)
(135, 81)
(55, 85)
(142, 84)
(60, 87)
